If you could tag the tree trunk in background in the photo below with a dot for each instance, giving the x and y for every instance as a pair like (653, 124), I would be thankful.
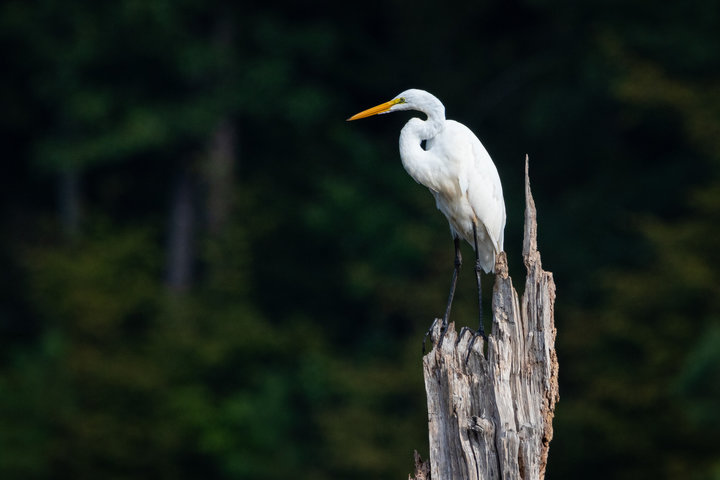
(490, 416)
(222, 152)
(181, 235)
(219, 176)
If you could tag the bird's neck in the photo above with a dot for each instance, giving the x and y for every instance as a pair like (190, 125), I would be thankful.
(418, 162)
(426, 129)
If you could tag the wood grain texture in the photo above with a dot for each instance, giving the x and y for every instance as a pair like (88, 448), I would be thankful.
(490, 414)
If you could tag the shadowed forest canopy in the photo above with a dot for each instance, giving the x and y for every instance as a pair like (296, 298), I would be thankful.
(208, 273)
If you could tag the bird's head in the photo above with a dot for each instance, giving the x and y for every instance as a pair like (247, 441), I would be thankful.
(412, 99)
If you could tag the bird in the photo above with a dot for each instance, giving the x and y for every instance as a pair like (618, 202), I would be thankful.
(448, 158)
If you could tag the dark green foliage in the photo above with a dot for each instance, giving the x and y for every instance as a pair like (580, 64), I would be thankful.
(295, 350)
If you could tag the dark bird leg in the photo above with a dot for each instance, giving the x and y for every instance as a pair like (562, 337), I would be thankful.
(453, 283)
(478, 273)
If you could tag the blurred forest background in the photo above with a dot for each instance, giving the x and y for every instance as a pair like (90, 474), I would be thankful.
(208, 273)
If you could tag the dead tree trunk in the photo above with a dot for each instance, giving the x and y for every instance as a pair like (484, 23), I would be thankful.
(490, 415)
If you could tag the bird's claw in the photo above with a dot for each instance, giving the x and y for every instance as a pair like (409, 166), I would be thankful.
(477, 333)
(443, 329)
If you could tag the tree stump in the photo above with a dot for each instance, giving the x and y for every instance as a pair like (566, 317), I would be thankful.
(490, 415)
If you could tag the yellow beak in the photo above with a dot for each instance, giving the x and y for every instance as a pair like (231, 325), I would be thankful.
(382, 108)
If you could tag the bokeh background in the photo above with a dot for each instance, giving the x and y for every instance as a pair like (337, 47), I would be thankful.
(208, 273)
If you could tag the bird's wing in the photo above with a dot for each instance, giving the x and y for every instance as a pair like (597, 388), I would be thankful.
(479, 180)
(485, 194)
(463, 169)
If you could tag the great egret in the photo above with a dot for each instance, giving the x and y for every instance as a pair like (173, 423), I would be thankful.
(460, 174)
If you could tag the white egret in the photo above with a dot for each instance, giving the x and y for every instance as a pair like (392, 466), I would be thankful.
(460, 174)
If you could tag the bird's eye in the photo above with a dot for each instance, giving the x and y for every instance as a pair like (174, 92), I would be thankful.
(401, 100)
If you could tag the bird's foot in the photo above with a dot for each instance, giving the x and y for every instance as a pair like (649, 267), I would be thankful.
(427, 334)
(443, 329)
(479, 333)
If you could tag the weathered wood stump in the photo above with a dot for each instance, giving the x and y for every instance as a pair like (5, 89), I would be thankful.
(490, 414)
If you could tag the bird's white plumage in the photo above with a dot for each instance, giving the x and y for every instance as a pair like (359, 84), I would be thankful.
(458, 171)
(456, 168)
